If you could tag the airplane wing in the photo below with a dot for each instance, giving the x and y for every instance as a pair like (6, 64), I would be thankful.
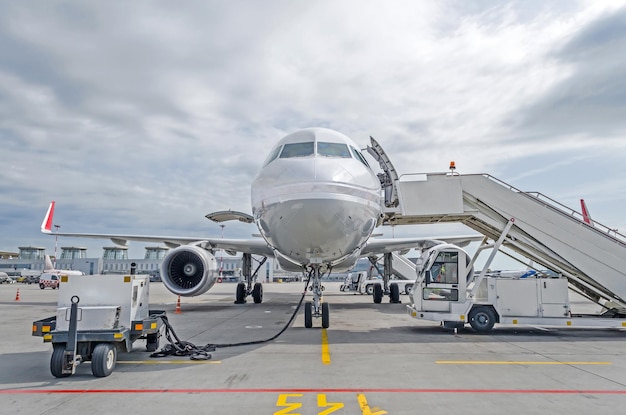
(386, 245)
(256, 246)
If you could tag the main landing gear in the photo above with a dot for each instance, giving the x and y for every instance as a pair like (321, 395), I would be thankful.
(316, 308)
(392, 290)
(245, 289)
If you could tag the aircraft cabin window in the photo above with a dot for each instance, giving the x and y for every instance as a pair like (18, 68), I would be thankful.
(297, 150)
(272, 156)
(359, 156)
(332, 150)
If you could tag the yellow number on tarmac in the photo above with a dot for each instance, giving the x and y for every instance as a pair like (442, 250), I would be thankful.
(365, 408)
(290, 406)
(322, 403)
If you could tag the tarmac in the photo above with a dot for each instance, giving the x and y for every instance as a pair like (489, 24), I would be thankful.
(373, 360)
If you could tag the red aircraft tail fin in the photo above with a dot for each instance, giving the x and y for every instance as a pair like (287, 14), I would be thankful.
(586, 216)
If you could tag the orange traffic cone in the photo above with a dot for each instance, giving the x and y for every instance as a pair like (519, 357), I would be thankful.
(177, 311)
(17, 295)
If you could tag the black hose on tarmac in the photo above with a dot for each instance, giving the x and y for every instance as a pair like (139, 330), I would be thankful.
(184, 348)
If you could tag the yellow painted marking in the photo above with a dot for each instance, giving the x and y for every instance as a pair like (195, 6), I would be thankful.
(624, 324)
(569, 323)
(365, 409)
(282, 401)
(514, 321)
(323, 403)
(487, 362)
(325, 349)
(64, 278)
(126, 278)
(169, 362)
(462, 317)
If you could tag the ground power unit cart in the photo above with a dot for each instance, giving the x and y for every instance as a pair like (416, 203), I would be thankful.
(97, 317)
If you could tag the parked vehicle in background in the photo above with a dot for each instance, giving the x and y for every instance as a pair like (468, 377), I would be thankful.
(4, 278)
(49, 280)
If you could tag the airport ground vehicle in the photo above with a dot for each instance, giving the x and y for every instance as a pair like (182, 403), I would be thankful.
(4, 278)
(360, 282)
(448, 290)
(84, 329)
(49, 280)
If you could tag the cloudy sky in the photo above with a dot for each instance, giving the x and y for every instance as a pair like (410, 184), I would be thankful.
(143, 116)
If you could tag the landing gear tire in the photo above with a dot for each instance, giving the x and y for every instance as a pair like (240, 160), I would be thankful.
(257, 293)
(378, 293)
(394, 293)
(308, 314)
(325, 316)
(369, 290)
(482, 319)
(57, 361)
(103, 359)
(240, 295)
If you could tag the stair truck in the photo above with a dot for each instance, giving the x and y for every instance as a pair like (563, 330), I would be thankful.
(447, 290)
(97, 317)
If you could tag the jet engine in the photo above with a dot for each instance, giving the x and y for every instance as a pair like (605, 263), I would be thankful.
(189, 270)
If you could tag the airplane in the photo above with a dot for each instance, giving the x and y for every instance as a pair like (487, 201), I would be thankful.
(50, 269)
(315, 201)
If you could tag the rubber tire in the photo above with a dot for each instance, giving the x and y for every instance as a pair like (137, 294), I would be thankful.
(378, 293)
(240, 295)
(152, 342)
(103, 359)
(482, 319)
(42, 286)
(257, 293)
(57, 361)
(369, 289)
(325, 316)
(308, 314)
(408, 288)
(394, 293)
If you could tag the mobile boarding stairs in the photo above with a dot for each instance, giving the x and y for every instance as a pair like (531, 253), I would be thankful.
(591, 256)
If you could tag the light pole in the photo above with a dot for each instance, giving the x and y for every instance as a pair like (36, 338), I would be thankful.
(222, 251)
(56, 242)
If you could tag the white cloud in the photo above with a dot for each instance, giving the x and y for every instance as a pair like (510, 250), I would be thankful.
(152, 114)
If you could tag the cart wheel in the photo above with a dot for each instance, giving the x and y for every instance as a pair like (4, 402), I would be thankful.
(408, 289)
(482, 319)
(152, 342)
(57, 361)
(369, 290)
(103, 359)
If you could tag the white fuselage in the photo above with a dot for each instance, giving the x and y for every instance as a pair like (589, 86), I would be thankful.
(315, 201)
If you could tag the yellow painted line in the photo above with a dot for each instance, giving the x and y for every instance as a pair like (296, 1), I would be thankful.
(325, 348)
(169, 362)
(487, 362)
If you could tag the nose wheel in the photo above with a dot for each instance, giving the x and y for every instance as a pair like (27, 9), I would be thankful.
(316, 308)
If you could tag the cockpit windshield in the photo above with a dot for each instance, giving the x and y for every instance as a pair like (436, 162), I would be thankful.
(333, 150)
(297, 150)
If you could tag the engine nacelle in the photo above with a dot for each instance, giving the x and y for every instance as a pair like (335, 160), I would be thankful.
(189, 270)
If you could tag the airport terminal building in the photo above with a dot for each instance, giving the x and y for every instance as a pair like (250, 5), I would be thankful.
(30, 260)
